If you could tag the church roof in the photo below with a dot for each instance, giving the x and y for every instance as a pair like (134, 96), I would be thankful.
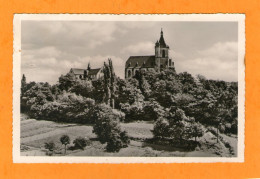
(77, 71)
(94, 71)
(161, 42)
(141, 61)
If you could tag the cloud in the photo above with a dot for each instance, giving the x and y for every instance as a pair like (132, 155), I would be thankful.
(47, 68)
(51, 48)
(141, 48)
(60, 33)
(217, 62)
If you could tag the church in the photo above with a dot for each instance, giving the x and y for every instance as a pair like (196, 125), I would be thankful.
(160, 60)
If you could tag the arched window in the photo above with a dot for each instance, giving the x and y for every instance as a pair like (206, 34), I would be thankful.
(163, 53)
(170, 62)
(129, 73)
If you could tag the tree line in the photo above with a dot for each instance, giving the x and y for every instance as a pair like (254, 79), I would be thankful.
(179, 104)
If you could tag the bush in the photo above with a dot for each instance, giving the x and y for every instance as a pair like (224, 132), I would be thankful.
(177, 127)
(80, 143)
(132, 112)
(161, 128)
(152, 111)
(116, 141)
(68, 107)
(65, 140)
(50, 146)
(108, 129)
(196, 130)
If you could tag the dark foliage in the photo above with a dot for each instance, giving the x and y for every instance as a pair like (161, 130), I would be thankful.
(148, 96)
(107, 128)
(80, 143)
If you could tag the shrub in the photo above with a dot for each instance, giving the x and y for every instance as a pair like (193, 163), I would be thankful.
(68, 107)
(80, 143)
(196, 130)
(65, 140)
(132, 112)
(116, 141)
(108, 129)
(233, 128)
(161, 128)
(152, 110)
(177, 127)
(49, 146)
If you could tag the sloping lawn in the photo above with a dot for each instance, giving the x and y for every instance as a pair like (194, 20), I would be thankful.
(138, 130)
(35, 133)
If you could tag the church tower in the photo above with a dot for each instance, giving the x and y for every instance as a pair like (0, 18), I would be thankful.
(161, 54)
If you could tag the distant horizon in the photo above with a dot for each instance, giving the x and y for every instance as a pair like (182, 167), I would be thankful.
(51, 48)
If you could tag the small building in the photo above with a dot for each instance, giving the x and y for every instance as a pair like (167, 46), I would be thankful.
(92, 74)
(157, 62)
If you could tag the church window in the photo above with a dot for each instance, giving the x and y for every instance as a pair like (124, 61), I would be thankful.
(129, 73)
(163, 53)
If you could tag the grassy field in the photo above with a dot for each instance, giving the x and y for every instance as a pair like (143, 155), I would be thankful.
(35, 133)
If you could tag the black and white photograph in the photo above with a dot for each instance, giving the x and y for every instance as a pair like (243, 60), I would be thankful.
(128, 88)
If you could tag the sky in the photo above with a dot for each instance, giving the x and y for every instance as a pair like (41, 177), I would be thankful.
(51, 48)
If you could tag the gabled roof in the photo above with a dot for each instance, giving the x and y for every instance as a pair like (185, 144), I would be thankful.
(77, 71)
(141, 61)
(93, 71)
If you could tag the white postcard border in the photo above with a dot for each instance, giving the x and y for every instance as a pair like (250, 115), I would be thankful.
(17, 158)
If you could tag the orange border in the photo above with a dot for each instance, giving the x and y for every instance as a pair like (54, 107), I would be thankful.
(250, 168)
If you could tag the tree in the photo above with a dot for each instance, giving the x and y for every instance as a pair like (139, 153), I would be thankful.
(50, 146)
(23, 84)
(128, 92)
(179, 125)
(188, 82)
(80, 143)
(85, 74)
(71, 108)
(108, 129)
(161, 128)
(109, 83)
(89, 67)
(23, 80)
(143, 84)
(65, 140)
(107, 78)
(67, 81)
(152, 110)
(113, 83)
(196, 130)
(82, 87)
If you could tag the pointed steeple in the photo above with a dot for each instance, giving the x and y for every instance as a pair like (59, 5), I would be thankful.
(161, 41)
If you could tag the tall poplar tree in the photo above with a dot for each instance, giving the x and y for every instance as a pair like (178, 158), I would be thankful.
(109, 83)
(23, 84)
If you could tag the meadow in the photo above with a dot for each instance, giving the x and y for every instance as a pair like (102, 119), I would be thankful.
(35, 133)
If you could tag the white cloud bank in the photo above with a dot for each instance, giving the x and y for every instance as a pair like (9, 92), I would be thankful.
(141, 48)
(217, 62)
(50, 49)
(46, 65)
